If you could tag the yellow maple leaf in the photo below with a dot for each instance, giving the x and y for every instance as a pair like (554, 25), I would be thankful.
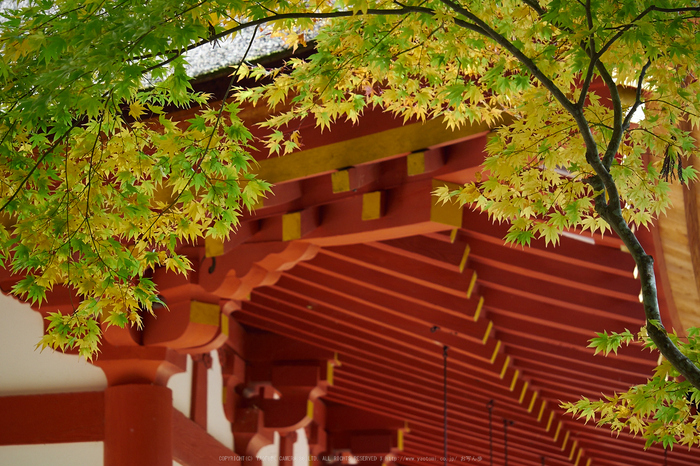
(136, 109)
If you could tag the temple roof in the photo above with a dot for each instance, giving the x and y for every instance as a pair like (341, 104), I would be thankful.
(225, 53)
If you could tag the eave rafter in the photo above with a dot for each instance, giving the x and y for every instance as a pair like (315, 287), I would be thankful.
(336, 274)
(501, 374)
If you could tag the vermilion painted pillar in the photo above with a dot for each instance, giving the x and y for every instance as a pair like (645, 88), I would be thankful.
(286, 457)
(201, 363)
(138, 426)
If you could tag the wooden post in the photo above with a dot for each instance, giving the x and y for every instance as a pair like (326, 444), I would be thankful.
(138, 426)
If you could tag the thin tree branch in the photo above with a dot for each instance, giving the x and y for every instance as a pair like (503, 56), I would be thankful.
(641, 15)
(36, 165)
(638, 97)
(591, 52)
(616, 137)
(671, 104)
(535, 6)
(195, 168)
(486, 30)
(420, 44)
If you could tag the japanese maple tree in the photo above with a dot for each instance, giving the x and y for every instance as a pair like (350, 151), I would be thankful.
(93, 195)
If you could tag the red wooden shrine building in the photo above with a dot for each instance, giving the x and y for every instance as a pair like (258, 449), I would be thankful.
(322, 322)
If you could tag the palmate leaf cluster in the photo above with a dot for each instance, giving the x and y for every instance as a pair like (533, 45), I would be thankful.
(100, 186)
(663, 410)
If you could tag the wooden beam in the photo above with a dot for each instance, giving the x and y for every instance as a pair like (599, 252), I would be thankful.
(296, 225)
(465, 432)
(368, 148)
(52, 418)
(343, 341)
(478, 390)
(408, 211)
(201, 363)
(183, 324)
(418, 163)
(565, 297)
(248, 266)
(469, 405)
(368, 323)
(369, 354)
(358, 275)
(522, 344)
(193, 446)
(353, 178)
(550, 318)
(571, 251)
(454, 313)
(558, 272)
(403, 267)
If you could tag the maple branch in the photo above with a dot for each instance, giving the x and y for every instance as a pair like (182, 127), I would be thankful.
(487, 31)
(421, 44)
(673, 105)
(590, 51)
(618, 131)
(535, 6)
(603, 182)
(611, 211)
(196, 167)
(633, 23)
(612, 214)
(620, 126)
(48, 151)
(637, 98)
